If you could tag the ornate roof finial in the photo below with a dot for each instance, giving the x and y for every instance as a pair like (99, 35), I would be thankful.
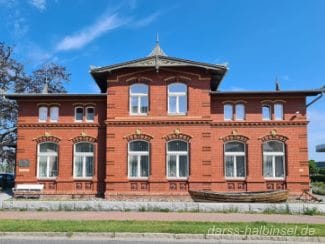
(157, 51)
(277, 84)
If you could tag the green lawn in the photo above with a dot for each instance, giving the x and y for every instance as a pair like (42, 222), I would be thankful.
(161, 227)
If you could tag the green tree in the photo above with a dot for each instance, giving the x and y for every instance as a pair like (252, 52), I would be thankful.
(313, 169)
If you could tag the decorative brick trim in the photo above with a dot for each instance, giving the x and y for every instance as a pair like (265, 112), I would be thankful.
(274, 137)
(256, 124)
(60, 125)
(158, 122)
(82, 138)
(235, 138)
(141, 136)
(177, 136)
(46, 138)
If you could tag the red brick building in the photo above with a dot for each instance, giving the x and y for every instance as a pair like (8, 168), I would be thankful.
(159, 127)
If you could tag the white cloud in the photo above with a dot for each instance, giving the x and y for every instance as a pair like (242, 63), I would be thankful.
(147, 20)
(90, 33)
(39, 4)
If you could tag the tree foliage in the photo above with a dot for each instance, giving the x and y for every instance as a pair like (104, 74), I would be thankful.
(13, 79)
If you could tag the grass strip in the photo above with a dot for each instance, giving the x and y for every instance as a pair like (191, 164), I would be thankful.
(176, 227)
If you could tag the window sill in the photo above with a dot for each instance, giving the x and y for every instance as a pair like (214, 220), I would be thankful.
(46, 178)
(235, 178)
(177, 178)
(177, 114)
(83, 178)
(138, 178)
(274, 178)
(142, 115)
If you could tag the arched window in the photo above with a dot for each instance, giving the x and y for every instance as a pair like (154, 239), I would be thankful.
(78, 114)
(138, 159)
(54, 114)
(177, 98)
(266, 112)
(273, 159)
(139, 99)
(47, 157)
(42, 114)
(228, 111)
(83, 160)
(90, 114)
(240, 111)
(177, 159)
(235, 160)
(278, 111)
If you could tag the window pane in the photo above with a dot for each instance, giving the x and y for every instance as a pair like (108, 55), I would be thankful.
(177, 87)
(183, 169)
(54, 113)
(48, 147)
(78, 166)
(133, 164)
(144, 165)
(278, 111)
(228, 113)
(172, 104)
(144, 104)
(182, 103)
(90, 114)
(53, 166)
(79, 114)
(240, 112)
(234, 147)
(139, 88)
(134, 104)
(42, 162)
(84, 147)
(42, 113)
(172, 166)
(266, 112)
(177, 146)
(279, 167)
(240, 164)
(229, 166)
(89, 166)
(267, 166)
(138, 146)
(273, 146)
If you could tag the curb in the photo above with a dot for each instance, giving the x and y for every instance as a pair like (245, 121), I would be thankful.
(150, 236)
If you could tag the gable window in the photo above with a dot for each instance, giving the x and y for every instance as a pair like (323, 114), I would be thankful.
(138, 159)
(42, 114)
(139, 99)
(177, 98)
(47, 157)
(78, 114)
(83, 160)
(235, 160)
(177, 159)
(278, 111)
(54, 114)
(90, 114)
(266, 112)
(228, 111)
(240, 111)
(273, 159)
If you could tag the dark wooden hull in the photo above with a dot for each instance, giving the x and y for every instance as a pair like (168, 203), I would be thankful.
(262, 196)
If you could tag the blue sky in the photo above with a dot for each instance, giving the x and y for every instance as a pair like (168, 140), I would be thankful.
(259, 40)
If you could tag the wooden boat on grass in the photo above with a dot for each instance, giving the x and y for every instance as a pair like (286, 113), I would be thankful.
(258, 196)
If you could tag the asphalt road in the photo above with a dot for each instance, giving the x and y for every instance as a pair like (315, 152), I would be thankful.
(129, 241)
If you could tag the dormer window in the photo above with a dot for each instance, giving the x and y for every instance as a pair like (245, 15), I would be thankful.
(139, 99)
(177, 99)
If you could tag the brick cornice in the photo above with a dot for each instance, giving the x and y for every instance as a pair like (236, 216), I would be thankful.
(60, 125)
(161, 121)
(262, 123)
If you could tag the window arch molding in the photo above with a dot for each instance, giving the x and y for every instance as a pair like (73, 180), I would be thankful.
(239, 138)
(274, 137)
(177, 136)
(47, 138)
(141, 137)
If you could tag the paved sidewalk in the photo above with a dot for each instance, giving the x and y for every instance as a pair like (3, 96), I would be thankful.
(171, 216)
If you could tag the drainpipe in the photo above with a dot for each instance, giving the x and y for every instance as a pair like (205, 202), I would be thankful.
(322, 90)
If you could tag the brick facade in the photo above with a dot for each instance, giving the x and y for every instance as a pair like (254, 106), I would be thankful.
(203, 127)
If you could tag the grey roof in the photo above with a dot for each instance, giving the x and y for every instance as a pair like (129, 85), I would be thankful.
(281, 92)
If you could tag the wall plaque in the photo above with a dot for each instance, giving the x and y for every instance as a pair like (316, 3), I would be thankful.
(23, 163)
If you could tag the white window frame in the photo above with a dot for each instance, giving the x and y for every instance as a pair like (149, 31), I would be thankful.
(39, 114)
(177, 154)
(177, 95)
(75, 114)
(270, 112)
(91, 120)
(139, 97)
(282, 111)
(236, 111)
(83, 155)
(51, 113)
(273, 155)
(224, 111)
(234, 155)
(48, 155)
(138, 154)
